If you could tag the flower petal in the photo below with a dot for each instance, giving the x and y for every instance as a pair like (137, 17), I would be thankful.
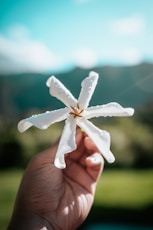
(87, 90)
(100, 137)
(44, 120)
(57, 89)
(67, 142)
(110, 109)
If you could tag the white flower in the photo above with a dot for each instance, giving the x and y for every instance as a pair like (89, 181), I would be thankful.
(76, 113)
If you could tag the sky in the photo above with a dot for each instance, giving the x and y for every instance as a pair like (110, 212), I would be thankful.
(57, 35)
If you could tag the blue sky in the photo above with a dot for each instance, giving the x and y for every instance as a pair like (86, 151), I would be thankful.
(57, 35)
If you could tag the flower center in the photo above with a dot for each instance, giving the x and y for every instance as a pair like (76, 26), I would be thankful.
(76, 111)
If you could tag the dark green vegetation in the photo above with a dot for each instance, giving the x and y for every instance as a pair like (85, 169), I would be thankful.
(125, 191)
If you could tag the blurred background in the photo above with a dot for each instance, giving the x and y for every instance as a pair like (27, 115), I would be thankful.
(68, 39)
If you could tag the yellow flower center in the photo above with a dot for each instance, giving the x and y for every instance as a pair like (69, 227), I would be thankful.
(76, 111)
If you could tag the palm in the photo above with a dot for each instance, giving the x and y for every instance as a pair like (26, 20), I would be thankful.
(63, 197)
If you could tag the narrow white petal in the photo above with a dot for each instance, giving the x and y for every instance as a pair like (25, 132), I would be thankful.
(67, 142)
(58, 90)
(87, 90)
(100, 137)
(110, 109)
(44, 120)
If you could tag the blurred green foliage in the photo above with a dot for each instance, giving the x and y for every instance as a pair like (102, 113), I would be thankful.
(17, 149)
(9, 182)
(131, 142)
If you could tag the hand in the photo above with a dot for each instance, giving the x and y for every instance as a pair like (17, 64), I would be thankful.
(51, 198)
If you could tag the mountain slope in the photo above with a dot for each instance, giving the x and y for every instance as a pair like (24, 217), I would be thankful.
(128, 85)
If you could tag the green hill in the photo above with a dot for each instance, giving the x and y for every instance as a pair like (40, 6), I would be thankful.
(128, 85)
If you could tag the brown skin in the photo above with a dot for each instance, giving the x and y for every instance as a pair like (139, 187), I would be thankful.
(54, 198)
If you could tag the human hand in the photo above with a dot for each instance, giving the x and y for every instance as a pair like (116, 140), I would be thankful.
(51, 198)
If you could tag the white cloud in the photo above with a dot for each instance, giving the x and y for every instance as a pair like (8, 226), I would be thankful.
(18, 53)
(131, 56)
(18, 32)
(132, 25)
(85, 58)
(127, 55)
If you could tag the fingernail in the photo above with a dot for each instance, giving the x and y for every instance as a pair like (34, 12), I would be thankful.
(95, 159)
